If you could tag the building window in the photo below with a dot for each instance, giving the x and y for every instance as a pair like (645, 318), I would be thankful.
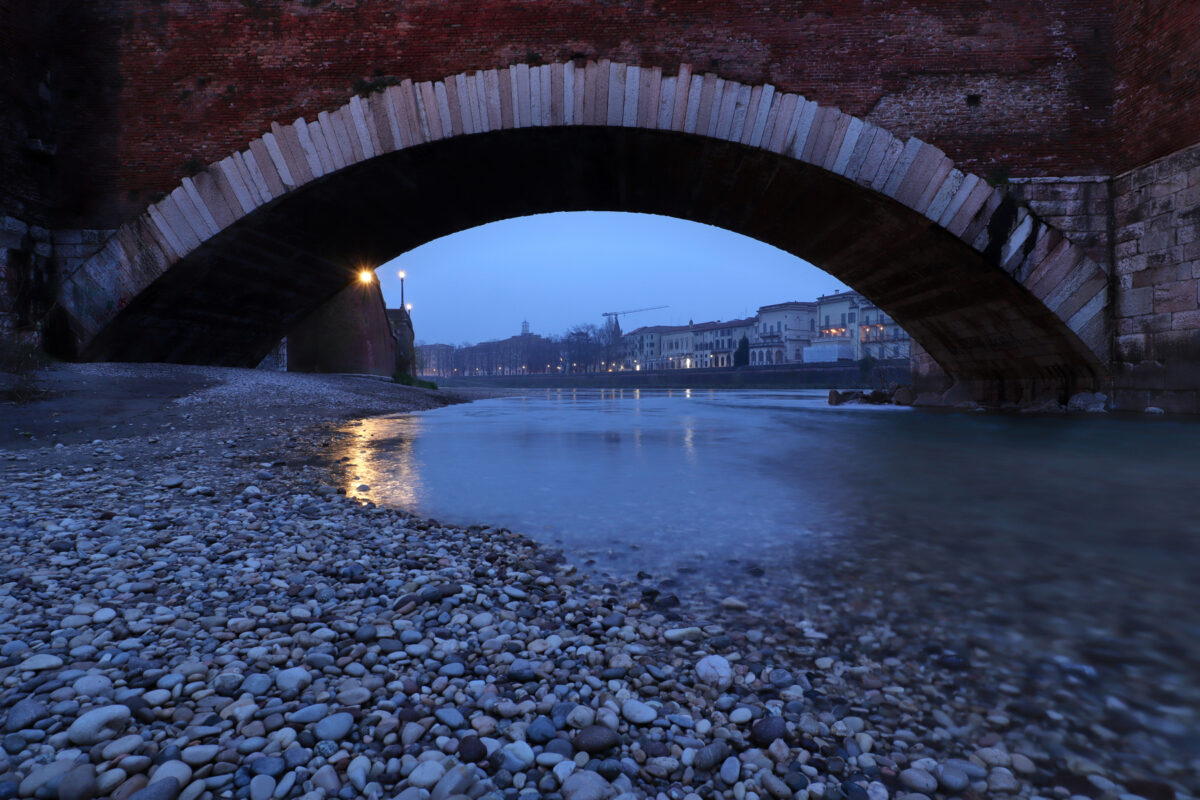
(852, 316)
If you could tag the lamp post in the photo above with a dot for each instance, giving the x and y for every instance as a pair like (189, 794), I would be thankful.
(402, 276)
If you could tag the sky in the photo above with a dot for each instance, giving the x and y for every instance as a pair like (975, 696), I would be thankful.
(566, 269)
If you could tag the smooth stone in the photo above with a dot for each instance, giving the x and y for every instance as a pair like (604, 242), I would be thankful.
(123, 746)
(451, 718)
(47, 776)
(199, 754)
(41, 661)
(327, 778)
(359, 771)
(257, 684)
(99, 724)
(456, 781)
(167, 770)
(596, 739)
(93, 685)
(740, 716)
(78, 784)
(675, 635)
(295, 678)
(774, 786)
(470, 749)
(426, 774)
(540, 731)
(273, 766)
(517, 756)
(262, 787)
(354, 697)
(709, 756)
(638, 712)
(308, 714)
(586, 785)
(767, 730)
(335, 727)
(167, 789)
(25, 714)
(730, 770)
(918, 780)
(952, 778)
(110, 779)
(1001, 779)
(715, 671)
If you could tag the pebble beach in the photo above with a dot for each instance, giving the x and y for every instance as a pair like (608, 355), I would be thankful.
(192, 606)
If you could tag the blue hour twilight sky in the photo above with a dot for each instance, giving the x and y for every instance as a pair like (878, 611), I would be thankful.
(560, 270)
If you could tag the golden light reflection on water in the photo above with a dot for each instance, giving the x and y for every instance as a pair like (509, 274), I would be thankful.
(380, 454)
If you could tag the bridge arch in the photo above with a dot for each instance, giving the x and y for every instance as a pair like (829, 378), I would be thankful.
(218, 270)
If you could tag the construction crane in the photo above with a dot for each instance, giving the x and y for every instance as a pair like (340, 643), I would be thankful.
(615, 314)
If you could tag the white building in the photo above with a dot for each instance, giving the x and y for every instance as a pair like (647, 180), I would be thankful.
(782, 332)
(879, 336)
(678, 347)
(851, 328)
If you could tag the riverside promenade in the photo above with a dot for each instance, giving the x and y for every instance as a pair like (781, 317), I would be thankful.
(190, 607)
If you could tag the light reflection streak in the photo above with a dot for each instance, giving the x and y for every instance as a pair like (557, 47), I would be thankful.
(383, 457)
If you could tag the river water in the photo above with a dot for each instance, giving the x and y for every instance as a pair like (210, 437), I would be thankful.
(653, 480)
(1026, 537)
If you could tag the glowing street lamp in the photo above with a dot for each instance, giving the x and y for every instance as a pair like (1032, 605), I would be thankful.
(366, 276)
(408, 307)
(402, 275)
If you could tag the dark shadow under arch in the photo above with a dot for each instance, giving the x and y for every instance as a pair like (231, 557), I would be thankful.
(232, 298)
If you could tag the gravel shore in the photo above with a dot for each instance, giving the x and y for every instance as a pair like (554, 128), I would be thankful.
(191, 607)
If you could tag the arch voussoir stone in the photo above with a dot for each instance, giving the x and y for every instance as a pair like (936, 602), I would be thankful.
(915, 174)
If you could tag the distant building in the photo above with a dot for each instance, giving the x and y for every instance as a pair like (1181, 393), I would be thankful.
(837, 328)
(677, 347)
(879, 336)
(435, 360)
(715, 342)
(852, 328)
(782, 332)
(643, 347)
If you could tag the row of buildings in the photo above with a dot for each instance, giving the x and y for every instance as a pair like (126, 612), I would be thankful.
(843, 326)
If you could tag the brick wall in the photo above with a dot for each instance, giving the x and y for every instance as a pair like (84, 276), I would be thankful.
(1019, 87)
(1156, 103)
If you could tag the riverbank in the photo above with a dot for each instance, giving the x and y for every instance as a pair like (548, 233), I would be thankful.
(842, 375)
(195, 610)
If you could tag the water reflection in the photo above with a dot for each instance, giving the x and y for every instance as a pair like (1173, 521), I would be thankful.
(398, 477)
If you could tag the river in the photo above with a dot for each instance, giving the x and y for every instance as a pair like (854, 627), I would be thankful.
(1070, 538)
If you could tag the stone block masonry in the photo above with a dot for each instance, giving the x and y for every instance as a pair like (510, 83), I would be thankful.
(32, 261)
(1157, 291)
(1079, 207)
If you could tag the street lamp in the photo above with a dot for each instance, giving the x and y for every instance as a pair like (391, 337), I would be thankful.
(366, 276)
(402, 276)
(408, 307)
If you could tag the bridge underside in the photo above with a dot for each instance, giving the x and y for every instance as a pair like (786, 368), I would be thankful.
(231, 300)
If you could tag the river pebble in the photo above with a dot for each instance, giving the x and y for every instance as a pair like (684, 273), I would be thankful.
(293, 641)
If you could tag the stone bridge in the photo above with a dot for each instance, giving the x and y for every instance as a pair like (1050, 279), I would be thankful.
(1016, 183)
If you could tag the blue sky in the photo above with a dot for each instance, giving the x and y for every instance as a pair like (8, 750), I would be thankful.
(560, 270)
